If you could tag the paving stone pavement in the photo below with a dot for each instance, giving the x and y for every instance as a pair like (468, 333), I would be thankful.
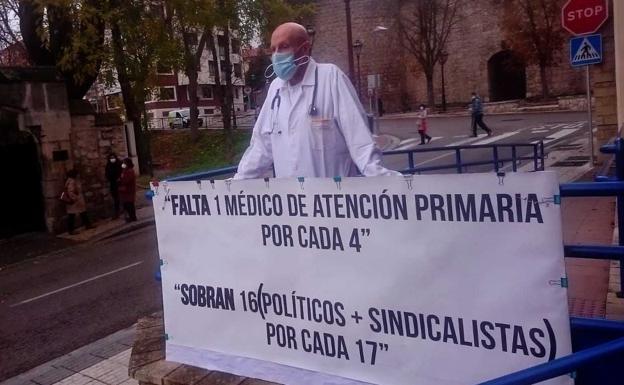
(104, 362)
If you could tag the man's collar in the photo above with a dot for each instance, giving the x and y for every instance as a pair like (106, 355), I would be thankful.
(308, 77)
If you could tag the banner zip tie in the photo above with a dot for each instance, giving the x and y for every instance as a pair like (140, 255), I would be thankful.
(301, 180)
(501, 178)
(166, 337)
(573, 375)
(199, 184)
(228, 183)
(564, 282)
(409, 179)
(338, 179)
(212, 183)
(557, 199)
(266, 181)
(162, 262)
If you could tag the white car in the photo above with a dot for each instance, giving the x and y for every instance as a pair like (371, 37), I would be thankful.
(182, 119)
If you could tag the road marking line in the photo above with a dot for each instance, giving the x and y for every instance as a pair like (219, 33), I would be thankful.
(408, 144)
(539, 131)
(76, 284)
(469, 139)
(559, 134)
(495, 138)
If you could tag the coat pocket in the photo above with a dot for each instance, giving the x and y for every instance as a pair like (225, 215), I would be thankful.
(323, 134)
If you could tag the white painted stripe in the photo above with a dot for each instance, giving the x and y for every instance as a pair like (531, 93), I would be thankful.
(76, 284)
(464, 141)
(539, 131)
(559, 134)
(496, 138)
(409, 144)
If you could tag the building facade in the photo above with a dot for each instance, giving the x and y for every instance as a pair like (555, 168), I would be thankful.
(477, 55)
(170, 93)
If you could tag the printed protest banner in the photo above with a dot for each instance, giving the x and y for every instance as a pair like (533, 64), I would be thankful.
(445, 279)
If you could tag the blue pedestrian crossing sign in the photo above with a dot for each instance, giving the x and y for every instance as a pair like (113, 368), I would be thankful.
(585, 50)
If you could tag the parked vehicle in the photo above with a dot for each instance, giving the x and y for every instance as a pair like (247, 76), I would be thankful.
(182, 119)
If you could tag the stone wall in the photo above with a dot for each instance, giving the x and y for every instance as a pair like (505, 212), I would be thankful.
(603, 84)
(475, 39)
(93, 138)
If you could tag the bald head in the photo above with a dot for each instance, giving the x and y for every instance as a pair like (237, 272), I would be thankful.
(290, 36)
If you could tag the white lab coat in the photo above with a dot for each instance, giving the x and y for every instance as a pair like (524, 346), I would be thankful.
(334, 142)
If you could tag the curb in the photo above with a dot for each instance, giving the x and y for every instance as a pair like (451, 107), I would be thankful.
(409, 115)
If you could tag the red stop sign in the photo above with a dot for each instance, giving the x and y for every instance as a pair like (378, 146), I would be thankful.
(580, 17)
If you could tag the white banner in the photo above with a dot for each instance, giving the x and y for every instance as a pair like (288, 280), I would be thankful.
(445, 279)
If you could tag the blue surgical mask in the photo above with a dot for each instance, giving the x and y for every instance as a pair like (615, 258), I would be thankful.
(284, 65)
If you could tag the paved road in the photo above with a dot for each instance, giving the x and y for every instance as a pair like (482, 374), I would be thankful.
(553, 128)
(53, 305)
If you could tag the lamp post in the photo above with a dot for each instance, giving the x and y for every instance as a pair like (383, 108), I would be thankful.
(357, 49)
(311, 33)
(349, 38)
(443, 58)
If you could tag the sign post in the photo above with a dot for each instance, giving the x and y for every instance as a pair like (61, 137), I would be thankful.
(582, 17)
(585, 51)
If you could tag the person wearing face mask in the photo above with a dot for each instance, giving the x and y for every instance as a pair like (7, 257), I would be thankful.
(127, 189)
(422, 124)
(113, 172)
(312, 123)
(476, 107)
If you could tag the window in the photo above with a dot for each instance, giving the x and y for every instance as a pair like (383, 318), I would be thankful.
(238, 70)
(191, 38)
(165, 114)
(163, 69)
(236, 89)
(114, 101)
(204, 91)
(208, 111)
(211, 68)
(166, 93)
(150, 115)
(235, 46)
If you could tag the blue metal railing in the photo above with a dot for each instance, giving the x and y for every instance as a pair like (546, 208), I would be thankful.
(498, 160)
(598, 344)
(460, 165)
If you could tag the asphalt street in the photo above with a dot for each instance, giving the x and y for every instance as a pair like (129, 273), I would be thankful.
(552, 128)
(54, 304)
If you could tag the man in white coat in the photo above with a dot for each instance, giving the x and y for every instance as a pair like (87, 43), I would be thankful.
(312, 123)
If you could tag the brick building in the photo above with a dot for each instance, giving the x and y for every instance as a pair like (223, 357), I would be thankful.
(476, 47)
(171, 90)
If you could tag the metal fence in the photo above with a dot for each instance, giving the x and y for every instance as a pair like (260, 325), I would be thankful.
(598, 344)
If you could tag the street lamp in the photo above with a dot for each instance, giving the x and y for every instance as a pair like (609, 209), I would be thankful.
(357, 49)
(443, 58)
(349, 38)
(311, 33)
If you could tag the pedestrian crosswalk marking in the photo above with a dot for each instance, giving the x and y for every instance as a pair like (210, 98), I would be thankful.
(495, 138)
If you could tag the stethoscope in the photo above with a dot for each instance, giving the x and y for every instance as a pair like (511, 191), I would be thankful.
(277, 101)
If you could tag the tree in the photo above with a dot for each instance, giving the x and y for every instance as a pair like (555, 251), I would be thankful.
(425, 26)
(534, 31)
(137, 43)
(191, 24)
(68, 34)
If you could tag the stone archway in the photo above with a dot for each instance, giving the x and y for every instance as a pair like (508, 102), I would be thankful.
(20, 170)
(507, 76)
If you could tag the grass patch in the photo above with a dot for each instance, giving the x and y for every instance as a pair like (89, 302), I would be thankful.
(174, 153)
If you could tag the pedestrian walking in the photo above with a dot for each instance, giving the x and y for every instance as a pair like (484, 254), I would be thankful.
(113, 173)
(74, 202)
(422, 124)
(476, 106)
(127, 189)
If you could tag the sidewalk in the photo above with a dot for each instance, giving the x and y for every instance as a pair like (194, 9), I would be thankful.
(585, 220)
